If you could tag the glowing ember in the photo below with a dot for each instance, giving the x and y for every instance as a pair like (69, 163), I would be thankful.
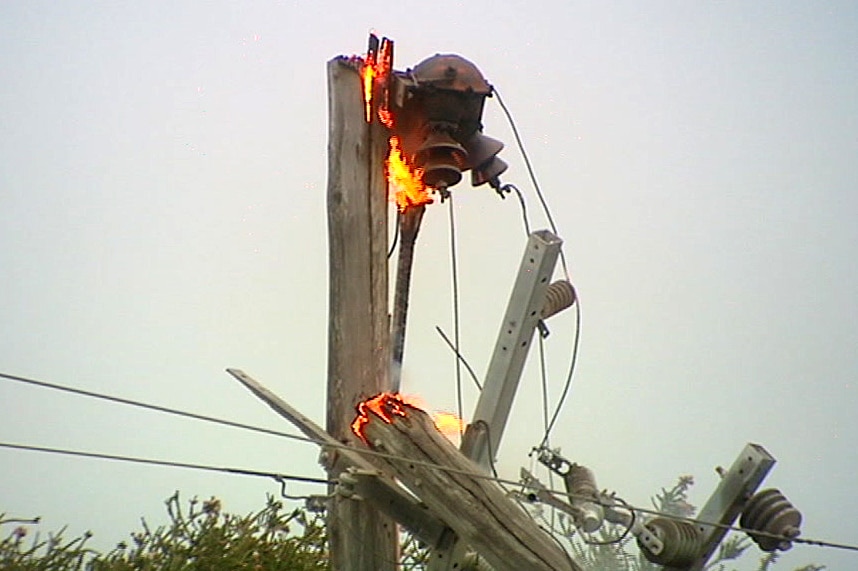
(385, 405)
(389, 405)
(405, 183)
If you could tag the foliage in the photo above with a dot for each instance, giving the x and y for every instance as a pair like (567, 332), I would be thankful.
(201, 537)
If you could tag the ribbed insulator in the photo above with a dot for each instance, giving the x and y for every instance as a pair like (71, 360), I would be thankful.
(558, 297)
(580, 483)
(584, 495)
(769, 511)
(682, 543)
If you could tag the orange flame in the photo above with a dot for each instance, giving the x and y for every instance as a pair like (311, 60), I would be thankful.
(368, 73)
(390, 405)
(449, 424)
(405, 183)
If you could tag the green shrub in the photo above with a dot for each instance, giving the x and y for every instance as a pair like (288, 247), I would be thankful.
(200, 537)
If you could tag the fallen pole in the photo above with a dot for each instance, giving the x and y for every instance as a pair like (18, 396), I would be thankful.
(475, 507)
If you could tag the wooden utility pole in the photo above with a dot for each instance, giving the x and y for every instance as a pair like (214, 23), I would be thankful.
(360, 538)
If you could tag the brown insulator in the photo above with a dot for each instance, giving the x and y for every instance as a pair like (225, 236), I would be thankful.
(558, 297)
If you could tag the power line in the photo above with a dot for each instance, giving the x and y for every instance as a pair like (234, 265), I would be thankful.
(525, 219)
(311, 480)
(454, 266)
(571, 372)
(550, 218)
(532, 174)
(363, 451)
(149, 406)
(166, 463)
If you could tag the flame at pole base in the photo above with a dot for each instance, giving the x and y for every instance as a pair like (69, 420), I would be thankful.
(388, 406)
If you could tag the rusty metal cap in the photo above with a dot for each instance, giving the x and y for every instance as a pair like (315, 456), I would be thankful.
(450, 71)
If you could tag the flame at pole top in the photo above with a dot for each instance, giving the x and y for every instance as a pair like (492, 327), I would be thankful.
(368, 73)
(388, 406)
(404, 182)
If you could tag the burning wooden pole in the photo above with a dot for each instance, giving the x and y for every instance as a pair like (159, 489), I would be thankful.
(358, 360)
(409, 226)
(472, 505)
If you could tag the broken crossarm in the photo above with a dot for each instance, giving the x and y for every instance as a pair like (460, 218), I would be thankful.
(357, 475)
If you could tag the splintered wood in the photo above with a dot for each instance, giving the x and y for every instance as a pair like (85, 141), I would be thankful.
(474, 506)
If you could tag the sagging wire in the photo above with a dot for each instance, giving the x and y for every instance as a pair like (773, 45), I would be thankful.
(625, 533)
(366, 452)
(281, 478)
(531, 173)
(454, 267)
(551, 534)
(547, 211)
(149, 406)
(543, 374)
(509, 187)
(570, 373)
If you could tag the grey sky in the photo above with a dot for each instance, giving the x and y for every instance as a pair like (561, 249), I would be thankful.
(162, 217)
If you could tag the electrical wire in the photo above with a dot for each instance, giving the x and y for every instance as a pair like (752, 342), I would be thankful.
(363, 451)
(532, 174)
(622, 536)
(543, 374)
(153, 407)
(322, 443)
(550, 218)
(455, 276)
(543, 377)
(167, 463)
(311, 480)
(460, 357)
(570, 373)
(551, 534)
(511, 187)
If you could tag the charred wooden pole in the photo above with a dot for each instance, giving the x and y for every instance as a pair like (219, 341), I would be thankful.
(472, 504)
(358, 331)
(409, 226)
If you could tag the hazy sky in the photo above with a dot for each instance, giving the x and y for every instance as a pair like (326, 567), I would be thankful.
(162, 217)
